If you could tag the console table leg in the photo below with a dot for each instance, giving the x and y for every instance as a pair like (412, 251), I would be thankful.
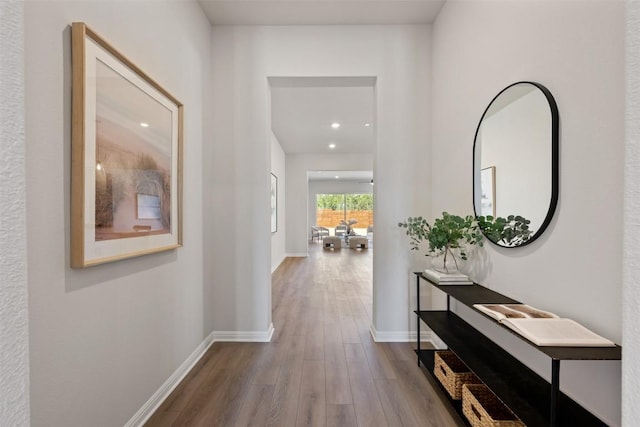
(555, 391)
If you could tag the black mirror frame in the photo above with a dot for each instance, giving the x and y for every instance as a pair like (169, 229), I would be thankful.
(555, 160)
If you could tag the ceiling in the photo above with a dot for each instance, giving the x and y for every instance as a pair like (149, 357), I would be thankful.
(358, 176)
(320, 12)
(303, 109)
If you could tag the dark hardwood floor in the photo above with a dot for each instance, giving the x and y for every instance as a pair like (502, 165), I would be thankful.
(322, 367)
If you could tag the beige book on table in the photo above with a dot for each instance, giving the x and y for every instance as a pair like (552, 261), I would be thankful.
(513, 311)
(543, 328)
(557, 332)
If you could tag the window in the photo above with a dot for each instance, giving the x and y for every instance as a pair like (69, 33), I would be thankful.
(333, 208)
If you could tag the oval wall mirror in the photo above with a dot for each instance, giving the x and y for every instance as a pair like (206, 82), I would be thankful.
(515, 160)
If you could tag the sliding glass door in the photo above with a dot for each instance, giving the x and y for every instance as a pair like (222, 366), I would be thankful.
(331, 209)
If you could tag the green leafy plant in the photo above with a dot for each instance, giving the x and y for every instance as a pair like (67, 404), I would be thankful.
(512, 231)
(446, 234)
(455, 232)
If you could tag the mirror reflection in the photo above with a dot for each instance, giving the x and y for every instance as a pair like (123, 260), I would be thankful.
(516, 158)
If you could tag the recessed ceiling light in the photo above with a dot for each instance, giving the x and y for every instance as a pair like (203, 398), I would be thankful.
(332, 145)
(337, 177)
(367, 125)
(335, 125)
(144, 125)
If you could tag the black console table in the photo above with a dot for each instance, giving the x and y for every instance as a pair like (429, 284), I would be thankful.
(535, 401)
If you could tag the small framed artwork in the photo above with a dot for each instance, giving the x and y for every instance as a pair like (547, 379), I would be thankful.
(274, 203)
(126, 157)
(488, 191)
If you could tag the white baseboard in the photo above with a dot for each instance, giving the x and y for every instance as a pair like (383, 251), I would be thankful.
(425, 336)
(144, 413)
(399, 336)
(406, 336)
(275, 267)
(437, 342)
(240, 336)
(297, 254)
(148, 409)
(395, 336)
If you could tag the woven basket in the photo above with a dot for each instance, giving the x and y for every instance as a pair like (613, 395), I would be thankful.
(452, 373)
(483, 408)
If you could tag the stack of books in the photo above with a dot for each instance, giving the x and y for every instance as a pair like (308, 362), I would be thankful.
(447, 278)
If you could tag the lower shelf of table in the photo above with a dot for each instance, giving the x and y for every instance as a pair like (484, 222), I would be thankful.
(526, 393)
(427, 360)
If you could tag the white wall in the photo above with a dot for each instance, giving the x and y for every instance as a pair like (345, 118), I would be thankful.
(279, 238)
(399, 57)
(104, 339)
(14, 335)
(575, 49)
(237, 185)
(631, 270)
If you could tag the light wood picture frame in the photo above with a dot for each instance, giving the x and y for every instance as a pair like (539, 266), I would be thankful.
(127, 136)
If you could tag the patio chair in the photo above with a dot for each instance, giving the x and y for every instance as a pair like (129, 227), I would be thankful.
(341, 230)
(319, 232)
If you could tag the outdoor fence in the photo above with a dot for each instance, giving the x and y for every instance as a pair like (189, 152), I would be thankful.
(330, 218)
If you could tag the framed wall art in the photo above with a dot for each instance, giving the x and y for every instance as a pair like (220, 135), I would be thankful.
(126, 157)
(274, 203)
